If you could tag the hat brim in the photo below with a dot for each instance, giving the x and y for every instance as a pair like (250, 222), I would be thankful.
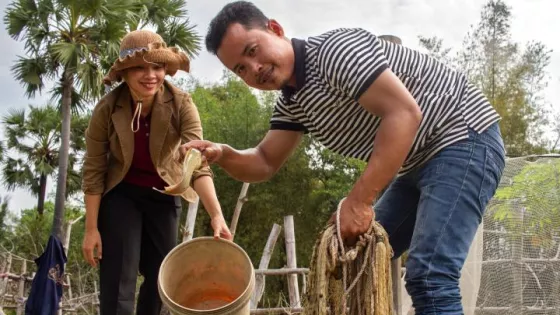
(172, 57)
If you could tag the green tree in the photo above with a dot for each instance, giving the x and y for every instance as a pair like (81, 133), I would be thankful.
(171, 21)
(511, 75)
(436, 49)
(512, 78)
(534, 192)
(33, 138)
(64, 40)
(75, 42)
(29, 236)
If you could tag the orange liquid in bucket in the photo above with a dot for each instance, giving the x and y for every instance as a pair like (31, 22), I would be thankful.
(207, 300)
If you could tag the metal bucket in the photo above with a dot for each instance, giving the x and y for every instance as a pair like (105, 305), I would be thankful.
(207, 276)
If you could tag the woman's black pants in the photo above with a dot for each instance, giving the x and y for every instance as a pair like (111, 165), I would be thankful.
(138, 227)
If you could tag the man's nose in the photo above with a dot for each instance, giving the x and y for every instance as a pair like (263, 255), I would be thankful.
(256, 69)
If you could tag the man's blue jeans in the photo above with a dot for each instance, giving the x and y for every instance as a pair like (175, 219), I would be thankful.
(435, 210)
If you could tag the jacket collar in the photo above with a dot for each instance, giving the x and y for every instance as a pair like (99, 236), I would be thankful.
(160, 122)
(163, 95)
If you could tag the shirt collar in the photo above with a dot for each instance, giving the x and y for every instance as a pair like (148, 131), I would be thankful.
(299, 68)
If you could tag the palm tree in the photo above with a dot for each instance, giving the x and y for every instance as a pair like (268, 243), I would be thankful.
(34, 140)
(170, 19)
(74, 42)
(3, 214)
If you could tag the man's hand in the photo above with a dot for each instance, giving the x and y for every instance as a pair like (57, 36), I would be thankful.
(211, 152)
(220, 228)
(92, 242)
(355, 219)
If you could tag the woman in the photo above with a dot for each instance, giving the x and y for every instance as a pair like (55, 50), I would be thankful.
(132, 146)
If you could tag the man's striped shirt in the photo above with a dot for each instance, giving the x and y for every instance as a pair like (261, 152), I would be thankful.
(334, 69)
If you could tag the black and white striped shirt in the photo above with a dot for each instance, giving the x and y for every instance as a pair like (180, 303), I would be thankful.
(334, 69)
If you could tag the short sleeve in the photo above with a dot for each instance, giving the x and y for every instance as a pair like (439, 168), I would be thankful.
(350, 60)
(284, 119)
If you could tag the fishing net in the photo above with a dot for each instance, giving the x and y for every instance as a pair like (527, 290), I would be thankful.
(354, 280)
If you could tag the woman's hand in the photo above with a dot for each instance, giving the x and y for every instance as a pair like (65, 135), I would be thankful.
(220, 227)
(92, 242)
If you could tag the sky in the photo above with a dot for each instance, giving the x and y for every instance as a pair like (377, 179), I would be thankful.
(532, 20)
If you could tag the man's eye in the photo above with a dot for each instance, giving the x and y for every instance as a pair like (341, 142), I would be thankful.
(241, 70)
(253, 51)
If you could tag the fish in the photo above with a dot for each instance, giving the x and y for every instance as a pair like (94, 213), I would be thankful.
(191, 162)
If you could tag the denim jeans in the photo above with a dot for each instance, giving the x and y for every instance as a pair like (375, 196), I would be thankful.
(435, 210)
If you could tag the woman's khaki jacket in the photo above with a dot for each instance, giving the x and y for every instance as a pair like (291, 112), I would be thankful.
(110, 140)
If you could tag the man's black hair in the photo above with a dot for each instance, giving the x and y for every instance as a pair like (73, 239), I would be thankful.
(242, 12)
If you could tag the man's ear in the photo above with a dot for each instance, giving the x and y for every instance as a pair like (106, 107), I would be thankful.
(275, 27)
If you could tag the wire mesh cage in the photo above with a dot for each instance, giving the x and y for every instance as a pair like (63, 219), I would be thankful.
(520, 258)
(513, 266)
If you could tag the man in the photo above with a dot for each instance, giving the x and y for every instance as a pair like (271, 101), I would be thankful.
(408, 115)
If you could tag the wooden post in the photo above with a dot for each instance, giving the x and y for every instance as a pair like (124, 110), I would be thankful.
(69, 286)
(556, 292)
(67, 232)
(190, 221)
(4, 281)
(290, 239)
(96, 298)
(517, 256)
(265, 260)
(240, 201)
(303, 283)
(21, 288)
(396, 275)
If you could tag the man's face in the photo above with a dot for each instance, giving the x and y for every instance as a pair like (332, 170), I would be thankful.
(263, 58)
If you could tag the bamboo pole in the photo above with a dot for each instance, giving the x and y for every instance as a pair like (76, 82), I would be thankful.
(263, 265)
(290, 239)
(517, 256)
(96, 298)
(497, 310)
(282, 271)
(69, 286)
(67, 232)
(21, 288)
(7, 265)
(303, 283)
(396, 279)
(277, 310)
(240, 201)
(190, 221)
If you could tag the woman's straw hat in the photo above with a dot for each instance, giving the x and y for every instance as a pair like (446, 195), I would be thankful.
(143, 46)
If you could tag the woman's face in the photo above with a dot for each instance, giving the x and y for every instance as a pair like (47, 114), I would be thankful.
(145, 80)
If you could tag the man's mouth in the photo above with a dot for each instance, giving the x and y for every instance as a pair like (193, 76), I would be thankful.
(266, 75)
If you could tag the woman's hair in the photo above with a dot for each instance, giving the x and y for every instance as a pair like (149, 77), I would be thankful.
(242, 12)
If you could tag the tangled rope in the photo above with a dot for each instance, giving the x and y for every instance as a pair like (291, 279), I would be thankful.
(367, 264)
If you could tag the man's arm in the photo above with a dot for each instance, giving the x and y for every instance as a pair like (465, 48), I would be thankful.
(262, 162)
(354, 62)
(252, 165)
(400, 116)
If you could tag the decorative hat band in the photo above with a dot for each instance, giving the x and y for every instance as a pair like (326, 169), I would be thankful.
(125, 52)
